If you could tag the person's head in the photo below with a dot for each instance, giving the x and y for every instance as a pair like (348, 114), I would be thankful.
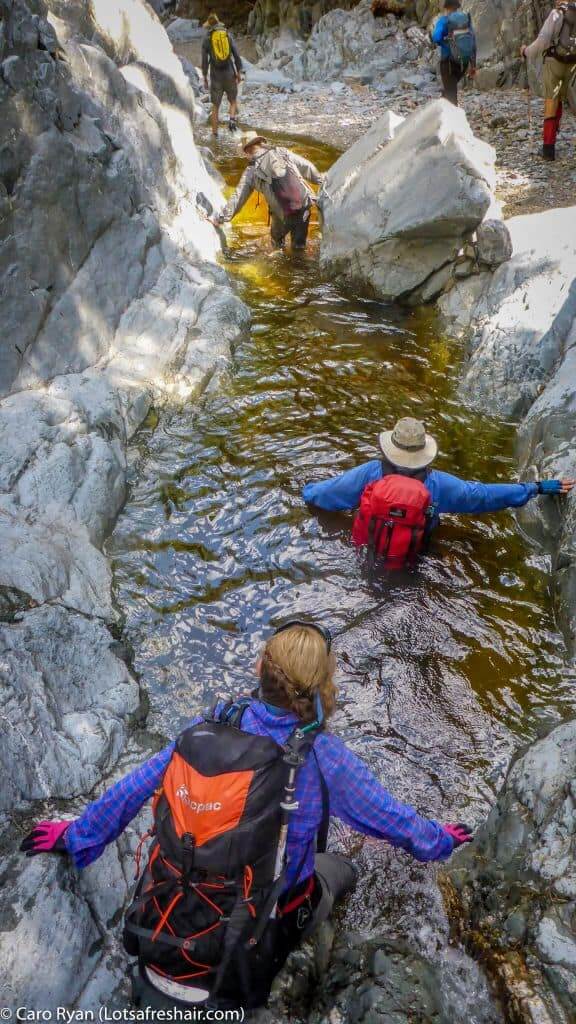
(212, 20)
(297, 668)
(253, 145)
(452, 5)
(408, 447)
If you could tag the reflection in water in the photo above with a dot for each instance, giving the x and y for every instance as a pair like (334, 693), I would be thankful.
(441, 672)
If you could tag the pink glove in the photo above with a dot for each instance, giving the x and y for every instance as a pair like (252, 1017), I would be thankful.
(45, 837)
(460, 833)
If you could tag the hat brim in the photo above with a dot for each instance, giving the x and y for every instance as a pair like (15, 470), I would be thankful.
(253, 142)
(406, 459)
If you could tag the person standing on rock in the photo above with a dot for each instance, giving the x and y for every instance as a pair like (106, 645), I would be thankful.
(454, 34)
(237, 874)
(556, 43)
(220, 59)
(280, 176)
(400, 498)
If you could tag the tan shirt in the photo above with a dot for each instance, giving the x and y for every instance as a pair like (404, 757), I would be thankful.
(548, 35)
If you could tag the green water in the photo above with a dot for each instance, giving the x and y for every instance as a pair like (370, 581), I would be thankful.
(441, 674)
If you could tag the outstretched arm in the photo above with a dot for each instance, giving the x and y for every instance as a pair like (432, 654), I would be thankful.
(451, 494)
(240, 197)
(104, 820)
(357, 798)
(343, 492)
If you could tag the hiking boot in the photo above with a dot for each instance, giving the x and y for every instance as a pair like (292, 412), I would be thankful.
(549, 151)
(232, 124)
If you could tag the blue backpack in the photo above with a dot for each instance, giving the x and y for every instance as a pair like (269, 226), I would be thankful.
(461, 38)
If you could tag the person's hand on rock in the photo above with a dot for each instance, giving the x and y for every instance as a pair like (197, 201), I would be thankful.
(45, 837)
(460, 833)
(555, 486)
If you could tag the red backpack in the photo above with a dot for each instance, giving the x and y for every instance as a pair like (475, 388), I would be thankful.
(394, 519)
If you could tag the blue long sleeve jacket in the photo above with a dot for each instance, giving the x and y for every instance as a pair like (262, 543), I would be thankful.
(449, 493)
(439, 36)
(356, 797)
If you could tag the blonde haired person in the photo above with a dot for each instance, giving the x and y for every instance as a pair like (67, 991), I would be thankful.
(296, 694)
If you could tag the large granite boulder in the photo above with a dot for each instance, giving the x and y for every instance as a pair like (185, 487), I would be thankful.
(396, 221)
(516, 886)
(523, 318)
(520, 324)
(110, 299)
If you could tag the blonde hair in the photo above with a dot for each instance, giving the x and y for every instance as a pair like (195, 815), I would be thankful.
(295, 667)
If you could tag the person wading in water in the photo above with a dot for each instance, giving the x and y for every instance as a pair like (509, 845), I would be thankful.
(400, 498)
(556, 43)
(278, 175)
(237, 875)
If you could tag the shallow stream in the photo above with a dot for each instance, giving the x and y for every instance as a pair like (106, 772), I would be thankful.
(442, 673)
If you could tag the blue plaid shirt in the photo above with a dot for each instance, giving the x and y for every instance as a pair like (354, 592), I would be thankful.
(356, 797)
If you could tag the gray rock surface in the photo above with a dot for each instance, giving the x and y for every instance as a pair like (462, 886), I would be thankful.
(111, 299)
(493, 243)
(521, 326)
(406, 210)
(517, 885)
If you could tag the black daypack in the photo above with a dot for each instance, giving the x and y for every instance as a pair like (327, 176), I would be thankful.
(204, 912)
(564, 48)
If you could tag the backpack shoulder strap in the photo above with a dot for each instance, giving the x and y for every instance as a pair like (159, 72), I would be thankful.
(230, 713)
(322, 835)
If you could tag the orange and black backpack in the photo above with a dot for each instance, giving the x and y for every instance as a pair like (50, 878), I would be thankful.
(205, 908)
(394, 520)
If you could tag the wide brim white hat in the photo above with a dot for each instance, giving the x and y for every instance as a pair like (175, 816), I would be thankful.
(251, 139)
(408, 446)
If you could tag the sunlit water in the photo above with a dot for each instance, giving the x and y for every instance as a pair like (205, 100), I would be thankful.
(443, 672)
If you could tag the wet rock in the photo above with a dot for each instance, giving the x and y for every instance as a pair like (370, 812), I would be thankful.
(68, 700)
(385, 231)
(522, 322)
(493, 242)
(517, 884)
(110, 298)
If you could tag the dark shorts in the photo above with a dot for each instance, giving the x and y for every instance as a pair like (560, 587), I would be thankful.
(223, 83)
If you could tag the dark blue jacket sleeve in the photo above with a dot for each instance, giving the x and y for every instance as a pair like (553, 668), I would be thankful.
(357, 798)
(343, 492)
(450, 494)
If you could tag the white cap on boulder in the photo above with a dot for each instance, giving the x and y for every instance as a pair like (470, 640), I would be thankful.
(408, 446)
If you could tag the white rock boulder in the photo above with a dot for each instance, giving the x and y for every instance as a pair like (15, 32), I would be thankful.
(401, 211)
(522, 318)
